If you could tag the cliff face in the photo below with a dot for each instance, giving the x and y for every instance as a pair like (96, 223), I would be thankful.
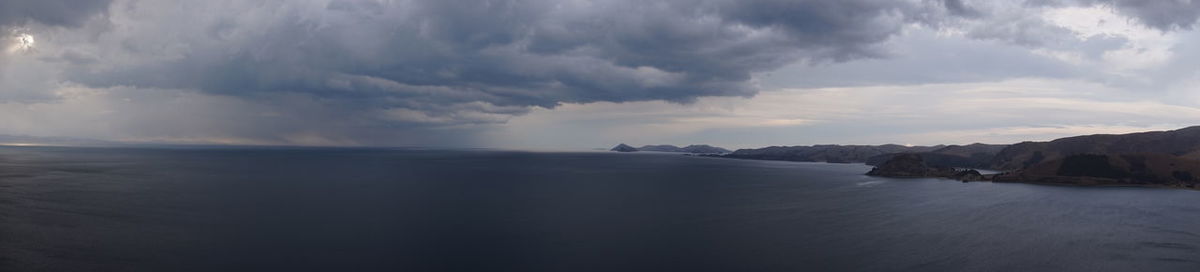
(1184, 143)
(826, 153)
(1111, 169)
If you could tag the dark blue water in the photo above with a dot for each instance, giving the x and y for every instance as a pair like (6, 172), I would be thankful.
(107, 209)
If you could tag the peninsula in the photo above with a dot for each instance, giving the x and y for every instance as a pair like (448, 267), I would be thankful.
(1156, 158)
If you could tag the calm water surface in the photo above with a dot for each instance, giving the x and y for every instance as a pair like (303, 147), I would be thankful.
(123, 209)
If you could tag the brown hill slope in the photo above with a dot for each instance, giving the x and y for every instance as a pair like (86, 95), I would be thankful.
(1111, 169)
(1183, 142)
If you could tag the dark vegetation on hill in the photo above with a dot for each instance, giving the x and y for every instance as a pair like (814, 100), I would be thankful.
(911, 165)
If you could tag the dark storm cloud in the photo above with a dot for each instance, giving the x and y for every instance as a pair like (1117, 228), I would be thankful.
(418, 72)
(438, 60)
(50, 12)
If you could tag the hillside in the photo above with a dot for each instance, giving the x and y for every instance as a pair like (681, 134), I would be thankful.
(912, 165)
(1111, 169)
(975, 155)
(1184, 143)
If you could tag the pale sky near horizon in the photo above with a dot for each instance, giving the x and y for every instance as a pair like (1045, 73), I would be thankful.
(578, 74)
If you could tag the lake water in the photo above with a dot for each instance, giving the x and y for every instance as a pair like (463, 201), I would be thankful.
(126, 209)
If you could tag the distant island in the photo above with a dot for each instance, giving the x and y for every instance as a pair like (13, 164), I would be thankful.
(692, 149)
(623, 148)
(1157, 158)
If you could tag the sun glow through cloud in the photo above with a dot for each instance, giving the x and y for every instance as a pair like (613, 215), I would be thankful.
(20, 43)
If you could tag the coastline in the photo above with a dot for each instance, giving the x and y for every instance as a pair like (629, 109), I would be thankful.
(1104, 185)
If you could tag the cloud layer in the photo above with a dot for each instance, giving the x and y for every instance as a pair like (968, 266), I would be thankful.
(419, 72)
(439, 57)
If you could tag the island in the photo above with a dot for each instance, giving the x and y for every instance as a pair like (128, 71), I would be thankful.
(623, 148)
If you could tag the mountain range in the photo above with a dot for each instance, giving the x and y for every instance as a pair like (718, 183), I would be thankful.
(975, 155)
(1159, 158)
(827, 153)
(1184, 143)
(693, 149)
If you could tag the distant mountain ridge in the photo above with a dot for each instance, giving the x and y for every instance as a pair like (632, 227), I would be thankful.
(698, 149)
(827, 153)
(694, 149)
(975, 155)
(1156, 158)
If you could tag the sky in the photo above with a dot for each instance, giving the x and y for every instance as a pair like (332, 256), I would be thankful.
(579, 74)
